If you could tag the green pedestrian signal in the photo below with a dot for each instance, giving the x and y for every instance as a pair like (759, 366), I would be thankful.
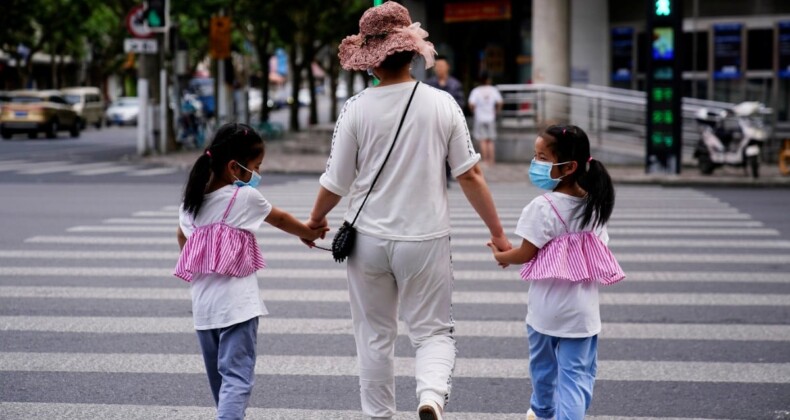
(663, 7)
(156, 13)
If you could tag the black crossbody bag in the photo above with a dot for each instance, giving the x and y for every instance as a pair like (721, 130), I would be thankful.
(343, 243)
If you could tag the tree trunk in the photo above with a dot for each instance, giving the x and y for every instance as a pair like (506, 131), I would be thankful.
(262, 39)
(308, 62)
(334, 73)
(296, 80)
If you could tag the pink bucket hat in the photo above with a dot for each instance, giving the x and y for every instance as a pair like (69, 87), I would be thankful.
(383, 31)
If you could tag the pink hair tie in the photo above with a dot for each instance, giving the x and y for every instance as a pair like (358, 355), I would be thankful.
(590, 159)
(563, 131)
(245, 131)
(208, 153)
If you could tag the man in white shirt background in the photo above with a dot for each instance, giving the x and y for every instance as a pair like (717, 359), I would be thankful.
(485, 102)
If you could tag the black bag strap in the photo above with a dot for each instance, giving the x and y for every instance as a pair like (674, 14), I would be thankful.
(373, 184)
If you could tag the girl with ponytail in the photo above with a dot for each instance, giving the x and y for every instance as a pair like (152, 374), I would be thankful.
(565, 257)
(222, 209)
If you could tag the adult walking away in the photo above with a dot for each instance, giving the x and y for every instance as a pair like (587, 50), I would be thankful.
(485, 101)
(401, 260)
(444, 81)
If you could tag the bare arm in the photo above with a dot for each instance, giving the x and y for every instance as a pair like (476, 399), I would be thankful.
(518, 255)
(476, 190)
(287, 223)
(324, 203)
(182, 239)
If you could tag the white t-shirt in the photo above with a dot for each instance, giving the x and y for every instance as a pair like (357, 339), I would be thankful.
(559, 308)
(220, 301)
(484, 99)
(409, 201)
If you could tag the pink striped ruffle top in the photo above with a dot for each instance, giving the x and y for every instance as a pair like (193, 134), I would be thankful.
(220, 248)
(573, 256)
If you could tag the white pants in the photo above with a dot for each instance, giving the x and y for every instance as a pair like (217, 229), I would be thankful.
(414, 278)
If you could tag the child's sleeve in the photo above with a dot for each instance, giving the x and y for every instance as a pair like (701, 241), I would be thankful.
(184, 221)
(535, 225)
(258, 209)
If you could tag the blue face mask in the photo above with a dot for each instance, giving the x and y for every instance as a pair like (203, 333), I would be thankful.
(253, 182)
(540, 174)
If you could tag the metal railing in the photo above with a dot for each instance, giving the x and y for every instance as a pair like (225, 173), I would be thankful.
(613, 118)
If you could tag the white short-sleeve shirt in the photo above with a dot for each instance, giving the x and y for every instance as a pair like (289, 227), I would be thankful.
(484, 99)
(409, 201)
(219, 301)
(559, 308)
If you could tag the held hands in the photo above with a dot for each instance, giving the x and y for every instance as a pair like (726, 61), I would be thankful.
(318, 229)
(499, 244)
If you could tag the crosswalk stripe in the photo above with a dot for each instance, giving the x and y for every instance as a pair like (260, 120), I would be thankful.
(69, 411)
(14, 165)
(69, 167)
(153, 171)
(317, 255)
(166, 274)
(300, 295)
(615, 370)
(463, 328)
(271, 241)
(513, 217)
(476, 231)
(478, 222)
(103, 171)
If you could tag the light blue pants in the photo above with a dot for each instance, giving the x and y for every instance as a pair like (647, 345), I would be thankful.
(563, 374)
(229, 355)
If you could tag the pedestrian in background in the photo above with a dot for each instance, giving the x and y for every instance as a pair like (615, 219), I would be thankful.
(400, 264)
(446, 82)
(564, 251)
(485, 102)
(220, 255)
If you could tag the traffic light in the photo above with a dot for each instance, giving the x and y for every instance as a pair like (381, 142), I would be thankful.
(663, 7)
(156, 14)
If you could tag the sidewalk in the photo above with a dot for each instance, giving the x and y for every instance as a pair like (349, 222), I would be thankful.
(302, 154)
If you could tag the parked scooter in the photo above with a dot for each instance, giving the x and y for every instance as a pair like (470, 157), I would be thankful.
(732, 138)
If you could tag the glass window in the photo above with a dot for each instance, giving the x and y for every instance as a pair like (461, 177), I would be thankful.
(760, 49)
(71, 99)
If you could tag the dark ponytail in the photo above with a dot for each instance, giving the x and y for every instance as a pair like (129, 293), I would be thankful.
(232, 141)
(570, 143)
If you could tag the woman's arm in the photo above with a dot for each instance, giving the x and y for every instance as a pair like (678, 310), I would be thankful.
(288, 223)
(182, 239)
(518, 255)
(477, 193)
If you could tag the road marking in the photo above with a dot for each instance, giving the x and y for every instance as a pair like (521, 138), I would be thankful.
(153, 171)
(315, 255)
(69, 167)
(342, 326)
(477, 222)
(285, 241)
(477, 231)
(340, 274)
(103, 171)
(460, 297)
(614, 370)
(66, 411)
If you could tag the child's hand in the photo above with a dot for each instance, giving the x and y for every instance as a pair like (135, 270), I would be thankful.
(315, 233)
(495, 251)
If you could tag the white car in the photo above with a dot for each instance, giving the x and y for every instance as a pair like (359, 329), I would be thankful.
(123, 111)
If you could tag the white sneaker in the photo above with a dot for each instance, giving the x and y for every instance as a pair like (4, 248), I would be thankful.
(429, 410)
(532, 416)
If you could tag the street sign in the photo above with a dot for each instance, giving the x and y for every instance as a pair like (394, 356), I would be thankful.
(219, 40)
(135, 22)
(140, 46)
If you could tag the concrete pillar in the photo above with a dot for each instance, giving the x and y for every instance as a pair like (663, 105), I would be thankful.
(550, 54)
(589, 56)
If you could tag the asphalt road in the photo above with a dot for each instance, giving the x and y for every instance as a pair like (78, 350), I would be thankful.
(93, 326)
